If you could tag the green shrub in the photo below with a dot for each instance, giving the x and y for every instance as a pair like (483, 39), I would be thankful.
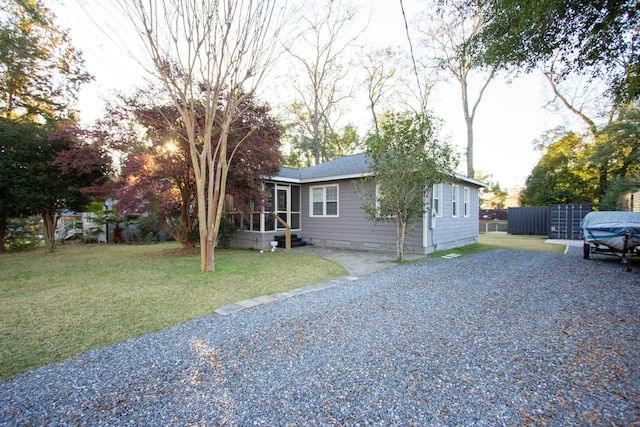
(227, 228)
(22, 233)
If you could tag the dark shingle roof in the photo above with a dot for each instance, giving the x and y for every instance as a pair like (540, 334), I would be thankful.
(347, 165)
(290, 173)
(355, 164)
(342, 167)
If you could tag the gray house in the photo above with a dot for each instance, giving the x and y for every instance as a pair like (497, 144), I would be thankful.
(322, 207)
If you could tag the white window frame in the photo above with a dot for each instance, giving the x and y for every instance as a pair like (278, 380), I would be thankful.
(324, 201)
(437, 195)
(467, 201)
(455, 200)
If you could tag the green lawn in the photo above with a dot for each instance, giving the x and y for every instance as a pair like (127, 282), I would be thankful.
(523, 243)
(55, 306)
(490, 241)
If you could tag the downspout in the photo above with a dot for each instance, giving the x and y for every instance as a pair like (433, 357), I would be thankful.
(427, 221)
(426, 224)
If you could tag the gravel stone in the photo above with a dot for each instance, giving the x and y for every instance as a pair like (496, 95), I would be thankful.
(497, 338)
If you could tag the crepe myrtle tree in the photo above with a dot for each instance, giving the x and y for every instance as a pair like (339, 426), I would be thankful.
(208, 48)
(405, 159)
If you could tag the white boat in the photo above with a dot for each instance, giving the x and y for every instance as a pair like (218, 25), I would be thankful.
(611, 233)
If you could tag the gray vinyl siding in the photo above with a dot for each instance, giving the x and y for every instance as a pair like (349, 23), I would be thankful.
(351, 229)
(450, 232)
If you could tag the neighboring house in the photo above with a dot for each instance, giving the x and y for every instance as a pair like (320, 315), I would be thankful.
(323, 208)
(630, 202)
(69, 225)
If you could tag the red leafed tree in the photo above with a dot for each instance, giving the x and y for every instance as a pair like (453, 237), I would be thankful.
(254, 143)
(157, 177)
(67, 170)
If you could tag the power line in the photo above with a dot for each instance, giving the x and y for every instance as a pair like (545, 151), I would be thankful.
(413, 58)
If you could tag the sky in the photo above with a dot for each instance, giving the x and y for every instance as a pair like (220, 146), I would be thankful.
(510, 117)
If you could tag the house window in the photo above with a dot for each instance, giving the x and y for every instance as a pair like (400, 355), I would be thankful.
(467, 202)
(381, 211)
(324, 201)
(437, 199)
(455, 194)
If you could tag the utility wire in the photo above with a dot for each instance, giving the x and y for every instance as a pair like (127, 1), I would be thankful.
(413, 58)
(111, 35)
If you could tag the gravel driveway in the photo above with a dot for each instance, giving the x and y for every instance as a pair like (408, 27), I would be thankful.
(498, 338)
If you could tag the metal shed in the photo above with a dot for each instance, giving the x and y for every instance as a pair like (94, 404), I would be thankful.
(564, 221)
(555, 221)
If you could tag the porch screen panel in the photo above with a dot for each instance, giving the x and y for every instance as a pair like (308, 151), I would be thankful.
(269, 223)
(295, 198)
(272, 197)
(295, 220)
(282, 206)
(295, 206)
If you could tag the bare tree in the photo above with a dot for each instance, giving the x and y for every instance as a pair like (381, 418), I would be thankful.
(455, 25)
(215, 51)
(582, 100)
(321, 46)
(394, 80)
(416, 82)
(380, 72)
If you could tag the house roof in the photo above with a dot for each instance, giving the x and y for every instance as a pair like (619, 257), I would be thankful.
(355, 164)
(346, 167)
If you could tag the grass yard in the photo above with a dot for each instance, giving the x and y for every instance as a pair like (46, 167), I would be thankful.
(490, 241)
(81, 297)
(524, 243)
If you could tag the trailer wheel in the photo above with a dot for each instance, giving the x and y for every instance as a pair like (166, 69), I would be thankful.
(626, 253)
(586, 249)
(626, 260)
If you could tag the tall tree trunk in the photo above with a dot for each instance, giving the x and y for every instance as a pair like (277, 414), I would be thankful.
(49, 223)
(603, 181)
(373, 114)
(401, 227)
(470, 115)
(628, 161)
(317, 144)
(202, 224)
(468, 119)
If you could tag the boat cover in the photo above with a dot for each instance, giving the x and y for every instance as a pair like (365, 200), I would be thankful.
(609, 228)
